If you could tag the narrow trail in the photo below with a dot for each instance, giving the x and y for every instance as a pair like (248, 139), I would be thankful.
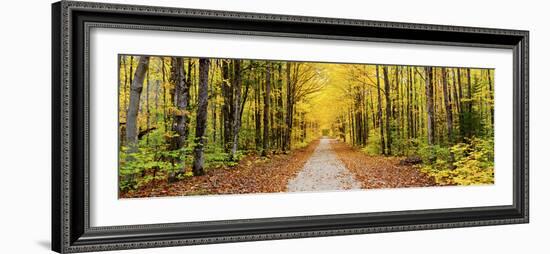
(323, 171)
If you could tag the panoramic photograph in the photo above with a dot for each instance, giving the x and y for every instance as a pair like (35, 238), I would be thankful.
(208, 126)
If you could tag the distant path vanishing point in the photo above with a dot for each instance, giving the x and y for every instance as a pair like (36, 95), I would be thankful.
(323, 172)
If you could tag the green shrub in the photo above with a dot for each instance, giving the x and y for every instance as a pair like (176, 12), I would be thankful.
(473, 163)
(154, 153)
(433, 154)
(373, 146)
(215, 156)
(411, 146)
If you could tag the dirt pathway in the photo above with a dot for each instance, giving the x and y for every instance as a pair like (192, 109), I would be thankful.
(323, 171)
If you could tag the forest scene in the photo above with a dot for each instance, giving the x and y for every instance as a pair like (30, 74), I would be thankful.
(204, 126)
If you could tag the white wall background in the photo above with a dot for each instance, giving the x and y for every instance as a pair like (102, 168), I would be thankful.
(25, 125)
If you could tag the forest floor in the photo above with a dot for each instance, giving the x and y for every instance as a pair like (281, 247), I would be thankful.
(253, 174)
(323, 171)
(324, 165)
(377, 171)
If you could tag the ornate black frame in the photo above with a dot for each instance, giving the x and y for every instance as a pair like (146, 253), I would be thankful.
(71, 22)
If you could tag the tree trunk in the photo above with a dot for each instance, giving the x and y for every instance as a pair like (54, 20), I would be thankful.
(388, 109)
(226, 107)
(202, 110)
(352, 126)
(366, 120)
(123, 93)
(266, 110)
(123, 88)
(133, 107)
(449, 111)
(380, 125)
(491, 103)
(257, 113)
(289, 109)
(157, 95)
(280, 117)
(373, 112)
(214, 117)
(448, 107)
(429, 105)
(410, 121)
(236, 104)
(416, 104)
(400, 98)
(147, 110)
(164, 96)
(130, 80)
(460, 104)
(181, 117)
(304, 127)
(470, 104)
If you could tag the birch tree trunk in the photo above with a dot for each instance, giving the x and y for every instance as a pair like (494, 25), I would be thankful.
(133, 107)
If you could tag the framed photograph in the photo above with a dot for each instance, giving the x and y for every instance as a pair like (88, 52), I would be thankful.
(181, 126)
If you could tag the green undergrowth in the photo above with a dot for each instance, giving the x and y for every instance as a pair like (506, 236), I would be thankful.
(467, 163)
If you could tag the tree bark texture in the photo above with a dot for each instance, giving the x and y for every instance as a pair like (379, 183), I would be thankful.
(202, 111)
